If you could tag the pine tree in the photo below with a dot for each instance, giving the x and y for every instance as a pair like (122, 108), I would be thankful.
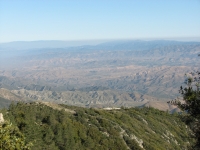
(191, 104)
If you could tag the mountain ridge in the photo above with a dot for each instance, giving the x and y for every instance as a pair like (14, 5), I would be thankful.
(89, 128)
(124, 69)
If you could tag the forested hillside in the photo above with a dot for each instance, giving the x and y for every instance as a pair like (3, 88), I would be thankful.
(52, 126)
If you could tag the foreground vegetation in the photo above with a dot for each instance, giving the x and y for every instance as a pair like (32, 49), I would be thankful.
(191, 97)
(11, 138)
(48, 127)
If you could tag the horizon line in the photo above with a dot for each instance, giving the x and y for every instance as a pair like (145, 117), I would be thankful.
(197, 39)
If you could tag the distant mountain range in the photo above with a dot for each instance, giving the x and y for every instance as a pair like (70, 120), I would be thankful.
(114, 73)
(25, 45)
(102, 44)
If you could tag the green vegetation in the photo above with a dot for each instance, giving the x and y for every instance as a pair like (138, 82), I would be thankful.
(11, 138)
(52, 128)
(191, 97)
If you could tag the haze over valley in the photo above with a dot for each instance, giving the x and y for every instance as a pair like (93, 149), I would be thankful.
(109, 74)
(99, 75)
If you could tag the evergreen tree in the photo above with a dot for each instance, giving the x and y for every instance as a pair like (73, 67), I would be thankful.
(191, 104)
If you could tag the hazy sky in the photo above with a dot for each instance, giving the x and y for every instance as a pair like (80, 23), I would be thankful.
(28, 20)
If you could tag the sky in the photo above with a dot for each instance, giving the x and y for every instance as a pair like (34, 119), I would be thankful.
(69, 20)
